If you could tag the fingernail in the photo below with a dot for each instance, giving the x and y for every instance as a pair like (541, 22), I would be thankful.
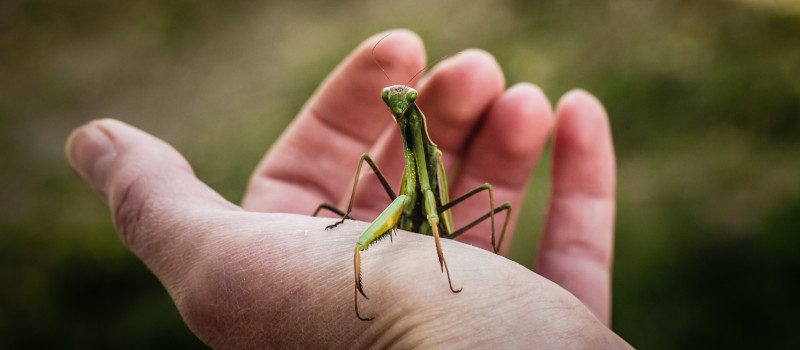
(90, 151)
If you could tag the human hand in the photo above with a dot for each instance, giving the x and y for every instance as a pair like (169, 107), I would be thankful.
(255, 276)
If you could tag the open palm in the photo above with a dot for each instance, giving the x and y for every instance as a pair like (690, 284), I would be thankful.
(259, 276)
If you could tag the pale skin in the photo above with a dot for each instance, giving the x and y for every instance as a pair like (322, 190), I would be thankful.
(265, 274)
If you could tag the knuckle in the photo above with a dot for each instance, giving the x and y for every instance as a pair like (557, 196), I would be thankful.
(130, 205)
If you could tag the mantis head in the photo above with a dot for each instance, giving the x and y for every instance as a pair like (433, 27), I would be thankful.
(398, 98)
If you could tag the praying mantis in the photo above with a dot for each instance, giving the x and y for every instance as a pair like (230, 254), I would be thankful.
(422, 204)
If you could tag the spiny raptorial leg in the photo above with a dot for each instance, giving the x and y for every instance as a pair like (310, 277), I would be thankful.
(359, 287)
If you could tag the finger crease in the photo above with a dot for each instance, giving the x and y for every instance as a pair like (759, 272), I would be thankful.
(580, 247)
(127, 221)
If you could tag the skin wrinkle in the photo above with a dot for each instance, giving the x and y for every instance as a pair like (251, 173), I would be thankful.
(408, 330)
(591, 301)
(127, 219)
(446, 319)
(588, 192)
(427, 337)
(575, 173)
(402, 307)
(210, 273)
(577, 248)
(394, 261)
(399, 339)
(568, 336)
(287, 265)
(184, 262)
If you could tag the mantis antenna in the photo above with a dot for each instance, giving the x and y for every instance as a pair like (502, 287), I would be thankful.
(376, 60)
(429, 66)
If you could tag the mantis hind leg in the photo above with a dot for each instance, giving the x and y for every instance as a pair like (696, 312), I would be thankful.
(442, 262)
(378, 174)
(331, 208)
(433, 221)
(502, 207)
(490, 214)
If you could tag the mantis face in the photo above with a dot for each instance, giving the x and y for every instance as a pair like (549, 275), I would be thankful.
(398, 98)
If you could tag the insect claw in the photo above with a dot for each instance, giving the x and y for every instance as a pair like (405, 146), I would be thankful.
(359, 315)
(449, 281)
(335, 224)
(360, 290)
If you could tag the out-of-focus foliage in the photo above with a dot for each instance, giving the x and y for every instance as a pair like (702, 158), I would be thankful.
(704, 99)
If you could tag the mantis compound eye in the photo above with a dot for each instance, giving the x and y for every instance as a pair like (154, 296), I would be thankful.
(385, 94)
(411, 95)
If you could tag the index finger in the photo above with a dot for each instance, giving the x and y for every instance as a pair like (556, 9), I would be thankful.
(340, 122)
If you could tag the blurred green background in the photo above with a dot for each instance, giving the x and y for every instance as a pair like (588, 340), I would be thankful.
(703, 96)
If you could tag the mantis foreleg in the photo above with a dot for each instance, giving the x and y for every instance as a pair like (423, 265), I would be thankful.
(383, 224)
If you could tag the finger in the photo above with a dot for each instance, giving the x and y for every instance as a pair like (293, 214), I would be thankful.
(150, 189)
(316, 157)
(454, 98)
(577, 242)
(503, 153)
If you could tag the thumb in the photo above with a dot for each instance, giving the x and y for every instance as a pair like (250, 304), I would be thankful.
(151, 190)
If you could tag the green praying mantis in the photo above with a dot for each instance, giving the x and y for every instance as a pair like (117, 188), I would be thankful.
(422, 204)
